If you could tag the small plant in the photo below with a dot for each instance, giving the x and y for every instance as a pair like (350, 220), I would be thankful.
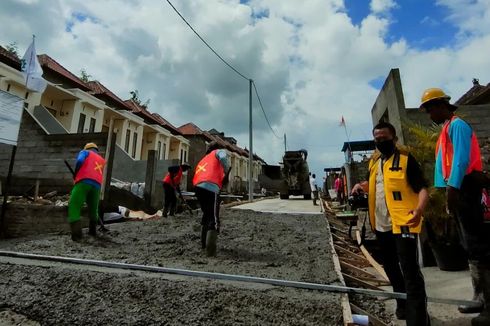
(422, 144)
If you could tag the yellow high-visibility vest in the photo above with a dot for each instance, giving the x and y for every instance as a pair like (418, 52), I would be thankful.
(400, 198)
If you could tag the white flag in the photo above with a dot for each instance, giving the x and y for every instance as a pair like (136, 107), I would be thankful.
(32, 70)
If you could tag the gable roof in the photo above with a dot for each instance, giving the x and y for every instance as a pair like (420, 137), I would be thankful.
(166, 124)
(190, 129)
(9, 58)
(99, 90)
(47, 62)
(477, 94)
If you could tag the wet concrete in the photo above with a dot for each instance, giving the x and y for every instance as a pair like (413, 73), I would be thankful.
(292, 247)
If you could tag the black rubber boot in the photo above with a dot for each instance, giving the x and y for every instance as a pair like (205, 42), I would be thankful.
(477, 293)
(204, 232)
(165, 212)
(484, 274)
(212, 236)
(76, 230)
(92, 228)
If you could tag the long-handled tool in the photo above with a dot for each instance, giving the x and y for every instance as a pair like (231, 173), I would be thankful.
(184, 202)
(101, 222)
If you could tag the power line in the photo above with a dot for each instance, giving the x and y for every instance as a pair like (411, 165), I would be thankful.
(263, 111)
(226, 63)
(209, 46)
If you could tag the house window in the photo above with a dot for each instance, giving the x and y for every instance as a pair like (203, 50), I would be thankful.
(164, 151)
(135, 142)
(8, 87)
(126, 144)
(185, 156)
(81, 123)
(92, 125)
(181, 155)
(27, 95)
(159, 150)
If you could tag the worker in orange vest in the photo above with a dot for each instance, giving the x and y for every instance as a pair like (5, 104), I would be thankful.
(171, 185)
(209, 178)
(88, 180)
(458, 169)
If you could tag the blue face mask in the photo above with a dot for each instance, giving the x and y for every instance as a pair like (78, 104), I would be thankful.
(386, 147)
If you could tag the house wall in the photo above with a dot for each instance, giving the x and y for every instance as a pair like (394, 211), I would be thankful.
(390, 104)
(41, 157)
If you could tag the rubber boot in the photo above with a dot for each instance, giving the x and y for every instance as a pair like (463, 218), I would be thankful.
(483, 319)
(211, 238)
(92, 228)
(204, 232)
(165, 212)
(477, 293)
(76, 230)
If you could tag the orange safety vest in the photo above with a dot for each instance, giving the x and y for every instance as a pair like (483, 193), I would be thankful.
(444, 143)
(92, 168)
(176, 180)
(209, 169)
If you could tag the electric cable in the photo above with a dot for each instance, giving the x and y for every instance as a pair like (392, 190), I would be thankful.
(263, 111)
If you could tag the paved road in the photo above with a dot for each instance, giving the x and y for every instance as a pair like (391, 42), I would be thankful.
(293, 205)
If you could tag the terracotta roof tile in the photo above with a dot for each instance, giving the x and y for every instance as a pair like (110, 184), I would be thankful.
(167, 124)
(478, 94)
(9, 59)
(97, 89)
(47, 62)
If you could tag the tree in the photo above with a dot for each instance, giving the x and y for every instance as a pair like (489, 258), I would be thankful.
(84, 76)
(136, 98)
(13, 49)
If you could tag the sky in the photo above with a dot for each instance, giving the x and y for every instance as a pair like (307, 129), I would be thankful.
(313, 61)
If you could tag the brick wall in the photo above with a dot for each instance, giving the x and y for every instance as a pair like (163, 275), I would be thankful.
(41, 157)
(29, 219)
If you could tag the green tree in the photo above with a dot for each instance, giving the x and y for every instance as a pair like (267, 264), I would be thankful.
(84, 76)
(13, 49)
(136, 98)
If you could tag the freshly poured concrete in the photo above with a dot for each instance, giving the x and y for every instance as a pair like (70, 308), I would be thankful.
(293, 205)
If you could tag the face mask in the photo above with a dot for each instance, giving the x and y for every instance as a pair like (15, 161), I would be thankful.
(386, 147)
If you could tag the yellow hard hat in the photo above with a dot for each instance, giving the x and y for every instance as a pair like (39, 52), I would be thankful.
(433, 94)
(436, 94)
(90, 146)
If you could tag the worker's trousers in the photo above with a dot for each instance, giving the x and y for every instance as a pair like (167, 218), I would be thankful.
(80, 194)
(210, 205)
(391, 263)
(416, 308)
(170, 200)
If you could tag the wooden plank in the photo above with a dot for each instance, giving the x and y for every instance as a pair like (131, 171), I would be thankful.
(345, 251)
(373, 320)
(358, 282)
(356, 262)
(358, 270)
(368, 256)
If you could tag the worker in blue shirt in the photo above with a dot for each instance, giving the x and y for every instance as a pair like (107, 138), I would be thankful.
(458, 169)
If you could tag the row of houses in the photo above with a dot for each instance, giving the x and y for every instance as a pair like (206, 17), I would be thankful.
(70, 105)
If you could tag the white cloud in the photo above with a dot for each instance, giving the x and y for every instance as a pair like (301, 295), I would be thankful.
(382, 6)
(310, 62)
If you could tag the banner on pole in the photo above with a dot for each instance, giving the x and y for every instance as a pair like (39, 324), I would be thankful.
(32, 70)
(11, 108)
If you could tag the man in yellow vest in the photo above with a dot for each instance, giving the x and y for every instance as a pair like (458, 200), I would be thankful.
(397, 197)
(88, 180)
(458, 169)
(209, 178)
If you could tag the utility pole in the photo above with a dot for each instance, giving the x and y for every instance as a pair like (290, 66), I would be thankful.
(285, 147)
(250, 141)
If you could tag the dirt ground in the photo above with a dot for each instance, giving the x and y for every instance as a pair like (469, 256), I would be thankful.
(292, 247)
